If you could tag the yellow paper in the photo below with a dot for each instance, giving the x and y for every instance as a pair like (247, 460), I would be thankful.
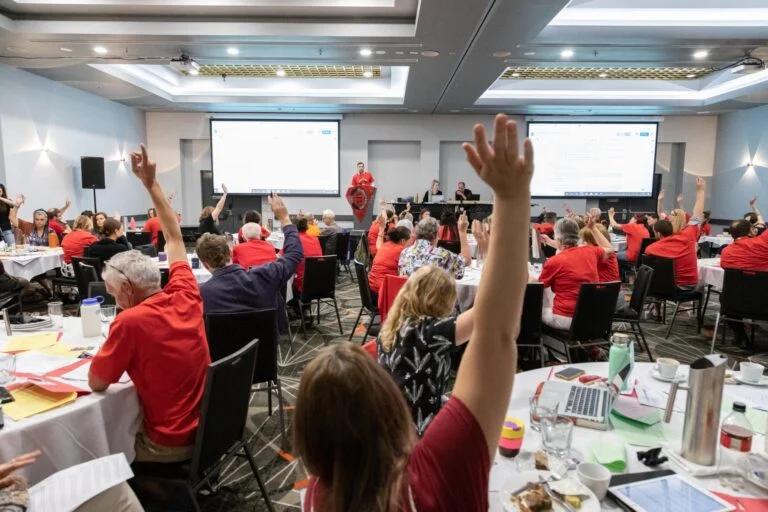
(31, 400)
(62, 350)
(31, 342)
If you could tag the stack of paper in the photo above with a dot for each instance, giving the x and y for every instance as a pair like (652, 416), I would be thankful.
(31, 400)
(31, 342)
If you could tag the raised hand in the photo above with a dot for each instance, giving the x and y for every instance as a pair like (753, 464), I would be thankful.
(680, 196)
(144, 168)
(501, 165)
(382, 219)
(224, 188)
(590, 220)
(277, 206)
(408, 206)
(481, 236)
(753, 201)
(661, 195)
(20, 199)
(611, 211)
(700, 185)
(463, 222)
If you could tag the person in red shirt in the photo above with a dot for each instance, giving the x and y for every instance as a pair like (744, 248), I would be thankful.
(565, 272)
(387, 257)
(353, 430)
(158, 339)
(747, 252)
(55, 222)
(362, 177)
(255, 251)
(252, 216)
(312, 249)
(81, 237)
(373, 232)
(681, 246)
(449, 227)
(706, 227)
(607, 269)
(635, 230)
(547, 226)
(153, 227)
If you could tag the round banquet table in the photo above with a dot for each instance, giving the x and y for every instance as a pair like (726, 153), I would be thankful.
(277, 239)
(201, 274)
(31, 265)
(525, 386)
(711, 273)
(717, 240)
(466, 287)
(93, 426)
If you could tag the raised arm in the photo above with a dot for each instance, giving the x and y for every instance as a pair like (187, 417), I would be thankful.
(603, 242)
(146, 170)
(285, 266)
(13, 215)
(701, 191)
(382, 220)
(466, 253)
(481, 237)
(612, 219)
(755, 210)
(680, 198)
(487, 371)
(660, 205)
(67, 204)
(220, 205)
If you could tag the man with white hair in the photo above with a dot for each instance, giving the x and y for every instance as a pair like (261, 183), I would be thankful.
(329, 223)
(159, 338)
(424, 250)
(255, 251)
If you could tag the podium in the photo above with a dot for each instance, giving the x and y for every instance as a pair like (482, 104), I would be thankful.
(361, 199)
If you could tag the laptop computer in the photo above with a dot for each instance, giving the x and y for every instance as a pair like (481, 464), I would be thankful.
(588, 406)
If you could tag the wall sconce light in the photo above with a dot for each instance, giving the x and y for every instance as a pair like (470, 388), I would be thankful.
(750, 167)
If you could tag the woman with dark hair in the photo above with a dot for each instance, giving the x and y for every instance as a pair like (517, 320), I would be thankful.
(387, 256)
(209, 217)
(112, 242)
(353, 430)
(6, 205)
(98, 223)
(151, 213)
(449, 227)
(387, 217)
(255, 217)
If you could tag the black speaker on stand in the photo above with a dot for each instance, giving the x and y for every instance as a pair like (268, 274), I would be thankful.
(92, 170)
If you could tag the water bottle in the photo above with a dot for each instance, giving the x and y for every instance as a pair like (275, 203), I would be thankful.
(90, 316)
(735, 445)
(53, 239)
(621, 359)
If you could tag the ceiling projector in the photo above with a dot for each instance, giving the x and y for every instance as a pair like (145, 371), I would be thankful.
(185, 65)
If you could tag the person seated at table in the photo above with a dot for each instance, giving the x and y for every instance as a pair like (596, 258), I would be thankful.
(425, 214)
(254, 251)
(75, 242)
(597, 235)
(546, 226)
(754, 217)
(312, 228)
(353, 430)
(635, 230)
(566, 271)
(329, 225)
(152, 226)
(680, 246)
(112, 242)
(462, 192)
(424, 250)
(159, 338)
(706, 226)
(255, 217)
(11, 284)
(423, 320)
(434, 190)
(449, 227)
(373, 231)
(98, 223)
(209, 217)
(311, 249)
(387, 258)
(55, 222)
(151, 213)
(747, 252)
(650, 221)
(36, 231)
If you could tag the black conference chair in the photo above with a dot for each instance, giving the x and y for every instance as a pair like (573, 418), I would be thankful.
(634, 314)
(365, 299)
(11, 301)
(530, 322)
(220, 436)
(342, 252)
(548, 251)
(160, 241)
(328, 244)
(147, 250)
(644, 244)
(165, 276)
(450, 245)
(228, 332)
(319, 285)
(87, 270)
(99, 289)
(744, 300)
(592, 320)
(137, 238)
(663, 289)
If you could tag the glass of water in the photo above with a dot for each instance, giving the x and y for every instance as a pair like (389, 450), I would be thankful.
(108, 313)
(7, 367)
(56, 314)
(542, 406)
(556, 434)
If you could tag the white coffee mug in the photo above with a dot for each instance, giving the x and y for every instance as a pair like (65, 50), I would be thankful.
(596, 477)
(751, 372)
(667, 367)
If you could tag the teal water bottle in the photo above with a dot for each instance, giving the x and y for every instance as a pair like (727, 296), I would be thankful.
(621, 359)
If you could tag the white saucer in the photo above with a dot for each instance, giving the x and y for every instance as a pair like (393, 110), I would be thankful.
(762, 382)
(680, 377)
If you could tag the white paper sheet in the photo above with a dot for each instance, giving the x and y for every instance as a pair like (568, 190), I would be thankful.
(67, 489)
(39, 363)
(81, 374)
(658, 399)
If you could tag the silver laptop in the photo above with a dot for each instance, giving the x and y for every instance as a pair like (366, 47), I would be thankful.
(588, 406)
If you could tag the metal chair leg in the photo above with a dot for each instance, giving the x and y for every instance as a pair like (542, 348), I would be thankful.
(301, 316)
(338, 317)
(672, 322)
(541, 351)
(370, 323)
(645, 342)
(714, 334)
(256, 474)
(356, 323)
(280, 404)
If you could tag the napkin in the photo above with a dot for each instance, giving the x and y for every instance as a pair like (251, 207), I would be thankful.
(636, 433)
(610, 454)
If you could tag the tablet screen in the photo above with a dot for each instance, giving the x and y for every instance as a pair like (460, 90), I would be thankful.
(668, 494)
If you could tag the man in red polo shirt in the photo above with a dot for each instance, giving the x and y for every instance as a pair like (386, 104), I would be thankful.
(158, 339)
(255, 251)
(747, 252)
(55, 222)
(153, 227)
(681, 246)
(362, 177)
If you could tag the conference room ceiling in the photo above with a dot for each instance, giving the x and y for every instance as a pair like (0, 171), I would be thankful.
(584, 57)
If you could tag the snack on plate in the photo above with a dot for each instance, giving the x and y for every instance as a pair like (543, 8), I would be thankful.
(573, 501)
(541, 460)
(535, 499)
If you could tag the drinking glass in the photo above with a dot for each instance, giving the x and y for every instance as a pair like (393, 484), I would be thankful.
(7, 366)
(542, 406)
(108, 313)
(56, 314)
(556, 433)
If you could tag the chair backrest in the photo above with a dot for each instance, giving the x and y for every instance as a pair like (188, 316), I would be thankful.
(548, 251)
(224, 408)
(319, 278)
(593, 317)
(342, 246)
(147, 250)
(364, 287)
(99, 289)
(643, 278)
(388, 293)
(229, 332)
(644, 243)
(87, 270)
(165, 276)
(450, 245)
(530, 321)
(328, 244)
(745, 294)
(160, 241)
(705, 250)
(363, 250)
(663, 278)
(137, 238)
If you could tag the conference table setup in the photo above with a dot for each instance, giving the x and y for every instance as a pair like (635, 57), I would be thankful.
(30, 263)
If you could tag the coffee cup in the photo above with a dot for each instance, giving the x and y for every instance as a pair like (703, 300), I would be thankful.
(161, 256)
(667, 367)
(596, 477)
(751, 372)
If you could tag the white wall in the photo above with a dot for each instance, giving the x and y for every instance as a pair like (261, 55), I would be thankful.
(37, 114)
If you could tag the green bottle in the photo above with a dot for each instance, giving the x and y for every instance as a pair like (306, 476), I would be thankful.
(621, 359)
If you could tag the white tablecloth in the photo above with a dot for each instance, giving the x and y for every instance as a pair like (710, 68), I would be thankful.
(618, 243)
(29, 266)
(277, 239)
(717, 241)
(201, 274)
(711, 273)
(93, 426)
(525, 386)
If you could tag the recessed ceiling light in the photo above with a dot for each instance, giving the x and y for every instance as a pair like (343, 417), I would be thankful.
(366, 52)
(65, 49)
(603, 75)
(413, 53)
(280, 72)
(502, 54)
(367, 74)
(430, 53)
(701, 54)
(381, 52)
(515, 74)
(455, 110)
(690, 75)
(399, 53)
(100, 50)
(703, 112)
(413, 110)
(566, 54)
(529, 54)
(194, 72)
(233, 51)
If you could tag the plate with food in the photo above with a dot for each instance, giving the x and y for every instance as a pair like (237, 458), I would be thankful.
(525, 492)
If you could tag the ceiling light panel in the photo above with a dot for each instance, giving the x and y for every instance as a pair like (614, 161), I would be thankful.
(270, 71)
(596, 73)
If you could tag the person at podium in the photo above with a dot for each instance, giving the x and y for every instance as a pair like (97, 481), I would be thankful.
(362, 177)
(433, 191)
(462, 192)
